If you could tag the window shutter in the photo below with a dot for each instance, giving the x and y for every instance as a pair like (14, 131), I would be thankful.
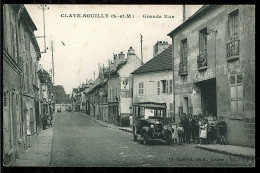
(5, 98)
(233, 99)
(167, 86)
(158, 87)
(171, 86)
(240, 98)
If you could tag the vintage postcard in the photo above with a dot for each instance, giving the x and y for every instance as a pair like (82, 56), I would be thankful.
(128, 85)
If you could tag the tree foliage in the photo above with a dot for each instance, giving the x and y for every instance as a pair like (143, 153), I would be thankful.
(60, 94)
(44, 76)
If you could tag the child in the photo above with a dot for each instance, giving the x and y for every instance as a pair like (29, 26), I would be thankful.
(174, 134)
(180, 131)
(222, 128)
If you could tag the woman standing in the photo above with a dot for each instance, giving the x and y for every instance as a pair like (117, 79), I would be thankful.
(199, 123)
(174, 134)
(203, 133)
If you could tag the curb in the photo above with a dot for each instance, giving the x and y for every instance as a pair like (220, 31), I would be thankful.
(125, 130)
(226, 152)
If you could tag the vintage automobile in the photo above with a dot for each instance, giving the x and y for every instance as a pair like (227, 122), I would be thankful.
(151, 123)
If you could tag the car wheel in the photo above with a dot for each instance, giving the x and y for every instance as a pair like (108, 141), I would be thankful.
(134, 134)
(145, 138)
(169, 139)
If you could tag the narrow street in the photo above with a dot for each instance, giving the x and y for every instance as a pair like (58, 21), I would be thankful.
(81, 142)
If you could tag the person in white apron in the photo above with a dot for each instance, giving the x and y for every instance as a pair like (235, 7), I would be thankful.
(203, 132)
(174, 134)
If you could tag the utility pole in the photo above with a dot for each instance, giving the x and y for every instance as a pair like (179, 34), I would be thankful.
(43, 7)
(141, 49)
(52, 61)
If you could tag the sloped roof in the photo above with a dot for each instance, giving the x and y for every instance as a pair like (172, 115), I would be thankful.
(201, 12)
(161, 62)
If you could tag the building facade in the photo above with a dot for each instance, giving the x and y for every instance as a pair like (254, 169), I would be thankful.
(21, 54)
(214, 74)
(120, 86)
(153, 82)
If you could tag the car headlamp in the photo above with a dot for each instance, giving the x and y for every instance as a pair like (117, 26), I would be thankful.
(152, 126)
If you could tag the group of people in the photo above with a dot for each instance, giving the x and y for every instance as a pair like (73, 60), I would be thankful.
(203, 130)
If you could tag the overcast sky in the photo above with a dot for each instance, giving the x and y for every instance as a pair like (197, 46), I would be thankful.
(89, 41)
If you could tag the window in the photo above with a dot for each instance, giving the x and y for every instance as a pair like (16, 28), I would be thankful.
(111, 94)
(5, 16)
(233, 22)
(163, 86)
(203, 41)
(170, 86)
(183, 58)
(158, 87)
(13, 42)
(27, 78)
(141, 88)
(236, 93)
(27, 44)
(184, 50)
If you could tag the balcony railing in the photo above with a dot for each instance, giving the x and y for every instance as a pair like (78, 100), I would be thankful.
(233, 50)
(183, 70)
(202, 62)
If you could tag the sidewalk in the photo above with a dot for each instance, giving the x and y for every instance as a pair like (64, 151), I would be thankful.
(40, 153)
(234, 150)
(105, 124)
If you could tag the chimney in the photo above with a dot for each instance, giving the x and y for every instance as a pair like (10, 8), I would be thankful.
(131, 51)
(159, 47)
(184, 12)
(116, 60)
(121, 56)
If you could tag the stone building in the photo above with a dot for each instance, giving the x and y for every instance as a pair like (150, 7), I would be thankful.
(21, 54)
(153, 82)
(120, 86)
(96, 96)
(214, 67)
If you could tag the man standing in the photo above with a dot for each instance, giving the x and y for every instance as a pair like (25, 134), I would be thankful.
(185, 124)
(222, 128)
(190, 129)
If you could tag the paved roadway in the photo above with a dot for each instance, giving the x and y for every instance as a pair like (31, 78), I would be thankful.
(81, 142)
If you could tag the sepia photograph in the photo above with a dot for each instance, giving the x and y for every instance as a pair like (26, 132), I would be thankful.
(128, 85)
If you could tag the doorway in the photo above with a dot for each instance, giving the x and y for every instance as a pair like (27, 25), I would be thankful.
(186, 105)
(208, 97)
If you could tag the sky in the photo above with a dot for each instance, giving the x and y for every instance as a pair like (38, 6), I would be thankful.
(92, 41)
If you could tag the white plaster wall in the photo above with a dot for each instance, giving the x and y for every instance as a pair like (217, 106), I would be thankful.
(150, 88)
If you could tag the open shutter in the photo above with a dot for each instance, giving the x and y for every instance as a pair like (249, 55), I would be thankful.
(239, 80)
(167, 86)
(5, 121)
(233, 95)
(158, 87)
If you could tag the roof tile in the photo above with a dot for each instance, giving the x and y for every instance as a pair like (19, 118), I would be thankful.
(161, 62)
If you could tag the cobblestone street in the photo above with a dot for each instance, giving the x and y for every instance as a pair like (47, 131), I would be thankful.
(80, 142)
